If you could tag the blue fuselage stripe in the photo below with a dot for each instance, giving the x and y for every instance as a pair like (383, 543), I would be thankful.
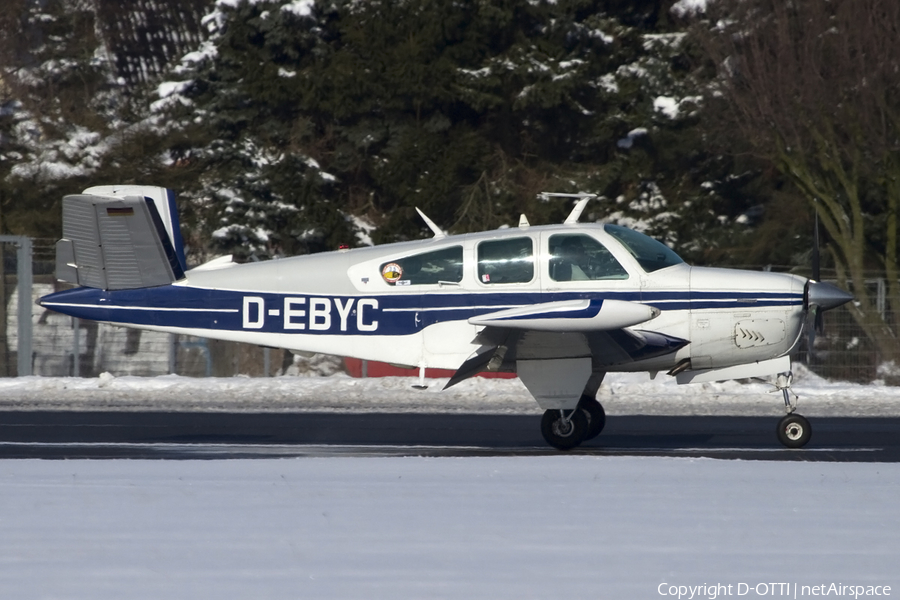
(378, 314)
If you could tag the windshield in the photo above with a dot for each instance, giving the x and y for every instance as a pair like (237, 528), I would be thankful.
(650, 254)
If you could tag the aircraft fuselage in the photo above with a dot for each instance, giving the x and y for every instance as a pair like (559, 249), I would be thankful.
(342, 303)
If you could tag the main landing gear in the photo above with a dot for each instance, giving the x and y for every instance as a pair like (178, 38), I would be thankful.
(793, 430)
(566, 429)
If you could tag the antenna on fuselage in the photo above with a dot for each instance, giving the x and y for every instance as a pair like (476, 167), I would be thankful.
(437, 230)
(583, 197)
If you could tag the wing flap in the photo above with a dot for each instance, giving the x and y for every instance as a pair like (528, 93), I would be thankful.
(473, 365)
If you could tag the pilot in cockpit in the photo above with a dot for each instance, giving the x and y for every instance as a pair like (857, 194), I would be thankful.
(571, 261)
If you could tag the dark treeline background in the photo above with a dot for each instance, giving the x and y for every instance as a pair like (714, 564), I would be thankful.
(285, 126)
(289, 127)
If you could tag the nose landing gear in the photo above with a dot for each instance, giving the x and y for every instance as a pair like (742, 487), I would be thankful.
(793, 430)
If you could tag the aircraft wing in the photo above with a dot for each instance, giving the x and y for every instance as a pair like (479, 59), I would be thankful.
(571, 315)
(568, 329)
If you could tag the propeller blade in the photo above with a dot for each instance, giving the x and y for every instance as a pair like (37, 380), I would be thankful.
(820, 297)
(816, 273)
(812, 329)
(818, 316)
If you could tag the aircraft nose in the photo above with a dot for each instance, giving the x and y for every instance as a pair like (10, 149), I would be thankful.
(825, 295)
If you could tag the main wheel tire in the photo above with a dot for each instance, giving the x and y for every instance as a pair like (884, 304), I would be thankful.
(794, 431)
(595, 414)
(564, 434)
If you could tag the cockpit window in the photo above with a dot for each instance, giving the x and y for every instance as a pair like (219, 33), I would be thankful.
(578, 257)
(440, 266)
(650, 254)
(506, 261)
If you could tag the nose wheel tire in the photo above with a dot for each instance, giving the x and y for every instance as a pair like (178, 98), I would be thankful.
(794, 431)
(564, 432)
(596, 417)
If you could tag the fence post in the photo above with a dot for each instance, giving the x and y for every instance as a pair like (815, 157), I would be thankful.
(25, 305)
(25, 290)
(76, 347)
(173, 350)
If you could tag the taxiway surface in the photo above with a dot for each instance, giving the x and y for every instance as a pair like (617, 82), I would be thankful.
(193, 435)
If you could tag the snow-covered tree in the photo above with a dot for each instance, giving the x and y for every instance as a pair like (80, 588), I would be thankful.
(235, 116)
(306, 115)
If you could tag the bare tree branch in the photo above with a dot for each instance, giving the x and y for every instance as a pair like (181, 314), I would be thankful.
(813, 87)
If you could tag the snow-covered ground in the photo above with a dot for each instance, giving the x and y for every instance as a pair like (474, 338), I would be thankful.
(572, 527)
(492, 527)
(621, 394)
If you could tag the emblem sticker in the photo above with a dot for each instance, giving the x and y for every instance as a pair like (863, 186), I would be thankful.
(391, 272)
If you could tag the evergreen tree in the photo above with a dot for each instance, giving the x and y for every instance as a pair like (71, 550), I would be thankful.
(468, 110)
(299, 125)
(49, 71)
(237, 120)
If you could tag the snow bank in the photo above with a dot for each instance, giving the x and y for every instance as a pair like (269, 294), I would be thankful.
(621, 394)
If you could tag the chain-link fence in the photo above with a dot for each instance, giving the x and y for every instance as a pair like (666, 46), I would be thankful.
(843, 351)
(63, 346)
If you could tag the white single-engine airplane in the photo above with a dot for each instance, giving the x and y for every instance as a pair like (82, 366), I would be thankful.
(559, 305)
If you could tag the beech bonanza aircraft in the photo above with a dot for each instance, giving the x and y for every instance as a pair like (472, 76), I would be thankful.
(559, 305)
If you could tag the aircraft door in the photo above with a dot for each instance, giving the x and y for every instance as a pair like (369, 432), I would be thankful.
(418, 282)
(499, 272)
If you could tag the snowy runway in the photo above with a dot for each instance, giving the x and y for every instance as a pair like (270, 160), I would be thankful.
(218, 435)
(539, 527)
(519, 527)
